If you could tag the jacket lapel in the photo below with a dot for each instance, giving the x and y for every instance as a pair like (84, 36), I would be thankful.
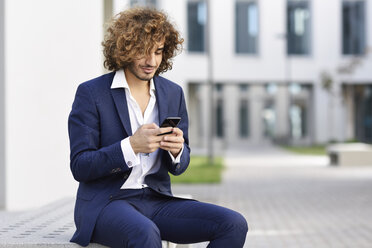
(121, 105)
(161, 99)
(120, 100)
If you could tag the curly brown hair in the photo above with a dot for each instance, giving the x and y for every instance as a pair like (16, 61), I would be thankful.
(134, 33)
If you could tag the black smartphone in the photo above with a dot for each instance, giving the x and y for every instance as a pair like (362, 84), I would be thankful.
(170, 122)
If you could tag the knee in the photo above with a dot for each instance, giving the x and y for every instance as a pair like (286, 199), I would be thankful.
(144, 235)
(240, 223)
(235, 222)
(148, 231)
(232, 231)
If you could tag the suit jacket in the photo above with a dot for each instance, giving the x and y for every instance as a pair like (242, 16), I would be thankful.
(98, 121)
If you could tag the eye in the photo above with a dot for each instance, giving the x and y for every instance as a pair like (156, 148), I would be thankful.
(159, 51)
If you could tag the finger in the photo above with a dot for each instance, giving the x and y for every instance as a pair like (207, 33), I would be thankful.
(177, 131)
(165, 148)
(170, 146)
(157, 131)
(164, 130)
(150, 126)
(173, 139)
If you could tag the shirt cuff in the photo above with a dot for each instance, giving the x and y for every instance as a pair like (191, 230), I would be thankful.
(131, 159)
(178, 158)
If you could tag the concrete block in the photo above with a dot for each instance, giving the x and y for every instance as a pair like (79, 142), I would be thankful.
(350, 154)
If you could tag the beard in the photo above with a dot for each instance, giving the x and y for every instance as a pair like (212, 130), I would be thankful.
(136, 71)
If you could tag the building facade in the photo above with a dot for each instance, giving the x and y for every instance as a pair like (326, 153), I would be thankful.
(297, 72)
(289, 71)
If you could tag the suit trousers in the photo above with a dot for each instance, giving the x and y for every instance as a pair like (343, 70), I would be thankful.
(141, 218)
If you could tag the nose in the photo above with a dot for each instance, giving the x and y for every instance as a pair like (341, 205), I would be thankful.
(150, 59)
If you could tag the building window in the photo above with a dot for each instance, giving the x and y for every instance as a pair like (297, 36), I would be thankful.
(244, 118)
(246, 27)
(298, 27)
(269, 119)
(218, 87)
(271, 88)
(219, 119)
(295, 89)
(196, 21)
(219, 109)
(298, 120)
(363, 112)
(353, 27)
(143, 3)
(243, 88)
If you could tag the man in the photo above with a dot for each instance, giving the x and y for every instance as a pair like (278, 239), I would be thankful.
(119, 156)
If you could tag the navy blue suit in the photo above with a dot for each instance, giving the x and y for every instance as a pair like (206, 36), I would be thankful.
(98, 121)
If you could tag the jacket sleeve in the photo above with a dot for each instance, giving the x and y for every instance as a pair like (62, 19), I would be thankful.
(179, 168)
(89, 161)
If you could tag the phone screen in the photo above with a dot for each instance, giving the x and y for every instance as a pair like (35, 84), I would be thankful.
(170, 122)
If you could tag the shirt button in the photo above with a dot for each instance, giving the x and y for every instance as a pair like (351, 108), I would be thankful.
(129, 163)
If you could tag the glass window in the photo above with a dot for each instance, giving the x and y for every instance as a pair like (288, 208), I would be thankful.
(297, 116)
(363, 113)
(269, 119)
(243, 87)
(218, 87)
(143, 3)
(353, 27)
(298, 27)
(295, 89)
(196, 21)
(244, 118)
(219, 118)
(246, 27)
(367, 114)
(271, 88)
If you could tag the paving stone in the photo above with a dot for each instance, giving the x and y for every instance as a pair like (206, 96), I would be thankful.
(295, 206)
(309, 205)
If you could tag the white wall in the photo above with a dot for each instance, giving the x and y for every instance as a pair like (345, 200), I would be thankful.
(269, 65)
(51, 47)
(2, 109)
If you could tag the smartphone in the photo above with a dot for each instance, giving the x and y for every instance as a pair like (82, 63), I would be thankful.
(170, 122)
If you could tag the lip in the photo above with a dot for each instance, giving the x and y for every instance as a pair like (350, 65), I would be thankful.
(148, 69)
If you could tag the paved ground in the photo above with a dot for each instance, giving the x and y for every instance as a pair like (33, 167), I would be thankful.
(308, 204)
(289, 201)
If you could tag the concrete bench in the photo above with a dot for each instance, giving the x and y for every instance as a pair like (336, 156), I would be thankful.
(48, 226)
(350, 154)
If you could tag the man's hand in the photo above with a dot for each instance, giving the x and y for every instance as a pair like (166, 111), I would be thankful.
(145, 139)
(173, 142)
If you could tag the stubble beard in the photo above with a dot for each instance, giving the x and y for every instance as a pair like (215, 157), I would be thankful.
(133, 69)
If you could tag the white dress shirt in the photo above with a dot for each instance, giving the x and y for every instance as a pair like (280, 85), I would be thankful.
(142, 163)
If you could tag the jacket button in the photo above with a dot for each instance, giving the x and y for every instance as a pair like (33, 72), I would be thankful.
(125, 176)
(178, 167)
(110, 197)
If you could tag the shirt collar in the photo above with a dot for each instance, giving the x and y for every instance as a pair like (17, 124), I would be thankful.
(120, 81)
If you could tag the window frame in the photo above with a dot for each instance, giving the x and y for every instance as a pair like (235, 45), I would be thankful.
(204, 35)
(365, 31)
(235, 23)
(310, 35)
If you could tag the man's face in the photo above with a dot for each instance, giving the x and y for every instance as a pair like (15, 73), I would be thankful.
(144, 68)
